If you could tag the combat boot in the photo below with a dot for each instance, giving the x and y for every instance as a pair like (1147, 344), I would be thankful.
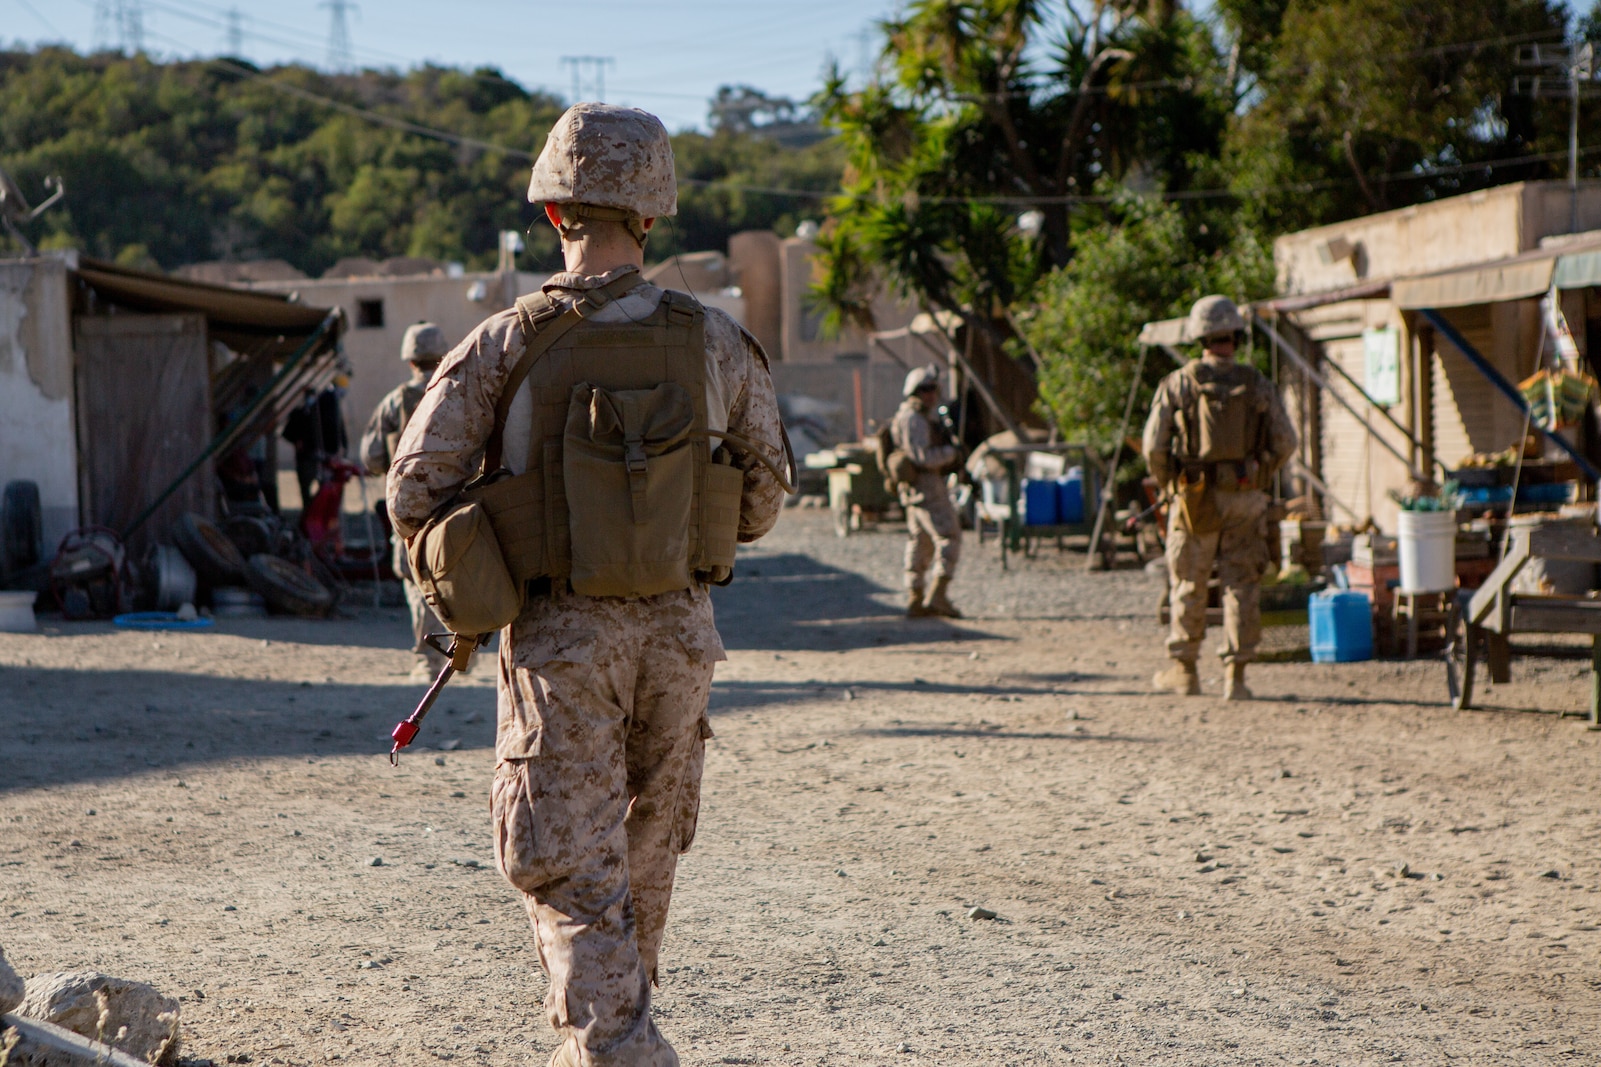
(915, 608)
(1234, 683)
(1180, 677)
(939, 601)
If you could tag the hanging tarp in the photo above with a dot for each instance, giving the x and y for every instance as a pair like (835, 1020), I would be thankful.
(1578, 270)
(1486, 283)
(1165, 332)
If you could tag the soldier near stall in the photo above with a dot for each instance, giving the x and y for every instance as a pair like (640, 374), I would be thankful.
(421, 349)
(615, 409)
(925, 452)
(1216, 434)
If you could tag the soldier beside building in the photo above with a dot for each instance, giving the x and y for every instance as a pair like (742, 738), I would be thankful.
(421, 349)
(1216, 434)
(925, 453)
(602, 698)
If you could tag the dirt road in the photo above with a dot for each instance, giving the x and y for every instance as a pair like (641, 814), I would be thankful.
(1344, 872)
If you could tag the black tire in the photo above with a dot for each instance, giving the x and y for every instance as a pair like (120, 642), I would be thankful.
(286, 587)
(24, 526)
(209, 551)
(249, 534)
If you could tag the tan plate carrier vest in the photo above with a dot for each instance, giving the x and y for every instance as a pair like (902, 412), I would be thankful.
(620, 495)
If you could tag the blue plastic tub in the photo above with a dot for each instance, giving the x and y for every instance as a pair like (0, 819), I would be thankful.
(1342, 626)
(1039, 502)
(1070, 496)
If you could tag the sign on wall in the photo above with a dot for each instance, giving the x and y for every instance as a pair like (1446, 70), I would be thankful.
(1382, 351)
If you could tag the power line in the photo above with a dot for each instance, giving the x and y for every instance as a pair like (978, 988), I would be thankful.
(596, 65)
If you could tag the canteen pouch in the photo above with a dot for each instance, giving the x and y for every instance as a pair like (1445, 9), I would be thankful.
(1198, 511)
(458, 564)
(628, 468)
(719, 515)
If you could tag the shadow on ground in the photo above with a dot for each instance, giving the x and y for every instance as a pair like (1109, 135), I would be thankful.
(794, 602)
(72, 726)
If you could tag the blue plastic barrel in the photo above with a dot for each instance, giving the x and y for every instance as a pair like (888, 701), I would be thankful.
(1070, 496)
(1342, 626)
(1039, 502)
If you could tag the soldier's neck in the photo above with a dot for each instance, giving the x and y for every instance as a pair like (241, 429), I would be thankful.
(1215, 359)
(592, 257)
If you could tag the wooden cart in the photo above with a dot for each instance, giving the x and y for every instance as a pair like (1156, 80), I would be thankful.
(1482, 621)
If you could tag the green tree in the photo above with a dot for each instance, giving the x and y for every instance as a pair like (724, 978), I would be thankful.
(1144, 261)
(984, 109)
(1356, 106)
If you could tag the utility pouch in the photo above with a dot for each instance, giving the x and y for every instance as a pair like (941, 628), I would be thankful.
(1225, 422)
(462, 572)
(900, 468)
(629, 471)
(1198, 511)
(719, 518)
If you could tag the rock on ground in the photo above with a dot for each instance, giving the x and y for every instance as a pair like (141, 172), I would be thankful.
(11, 986)
(132, 1016)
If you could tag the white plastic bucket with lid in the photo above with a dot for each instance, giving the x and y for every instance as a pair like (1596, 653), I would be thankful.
(1426, 543)
(16, 612)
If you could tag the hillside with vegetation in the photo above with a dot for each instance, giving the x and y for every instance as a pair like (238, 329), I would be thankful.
(174, 163)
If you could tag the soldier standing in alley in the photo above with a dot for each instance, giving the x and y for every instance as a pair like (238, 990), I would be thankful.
(1216, 434)
(924, 454)
(422, 347)
(602, 698)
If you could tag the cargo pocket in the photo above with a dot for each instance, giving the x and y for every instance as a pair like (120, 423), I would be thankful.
(687, 816)
(518, 841)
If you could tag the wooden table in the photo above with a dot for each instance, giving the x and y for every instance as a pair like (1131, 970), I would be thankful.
(1482, 621)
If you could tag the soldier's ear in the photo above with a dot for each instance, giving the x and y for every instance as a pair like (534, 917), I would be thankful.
(553, 213)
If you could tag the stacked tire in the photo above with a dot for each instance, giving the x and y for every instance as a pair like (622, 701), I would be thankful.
(286, 587)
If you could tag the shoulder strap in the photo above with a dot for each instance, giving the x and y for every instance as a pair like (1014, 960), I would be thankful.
(543, 324)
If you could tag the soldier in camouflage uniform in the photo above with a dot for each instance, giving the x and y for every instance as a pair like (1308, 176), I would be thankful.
(422, 348)
(1216, 434)
(933, 529)
(602, 711)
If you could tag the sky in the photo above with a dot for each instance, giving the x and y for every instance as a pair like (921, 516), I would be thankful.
(667, 56)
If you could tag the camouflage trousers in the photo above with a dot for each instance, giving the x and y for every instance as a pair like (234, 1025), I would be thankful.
(1240, 551)
(596, 794)
(934, 536)
(423, 619)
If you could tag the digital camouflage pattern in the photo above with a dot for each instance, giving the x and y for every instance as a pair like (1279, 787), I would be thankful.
(1239, 548)
(423, 343)
(934, 531)
(607, 156)
(602, 700)
(1240, 551)
(378, 442)
(1213, 315)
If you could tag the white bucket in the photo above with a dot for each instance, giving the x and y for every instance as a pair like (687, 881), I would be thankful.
(1426, 543)
(16, 612)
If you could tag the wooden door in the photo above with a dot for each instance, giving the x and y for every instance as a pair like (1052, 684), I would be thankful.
(144, 415)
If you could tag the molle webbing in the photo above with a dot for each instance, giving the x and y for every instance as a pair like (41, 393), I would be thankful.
(529, 511)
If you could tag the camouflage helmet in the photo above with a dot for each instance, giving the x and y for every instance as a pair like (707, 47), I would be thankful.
(424, 343)
(609, 157)
(920, 378)
(1213, 315)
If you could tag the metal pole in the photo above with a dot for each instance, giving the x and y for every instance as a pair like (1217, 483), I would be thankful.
(1505, 388)
(1573, 142)
(1311, 372)
(1109, 490)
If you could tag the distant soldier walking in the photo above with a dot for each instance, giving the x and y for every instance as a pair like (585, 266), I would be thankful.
(422, 347)
(1216, 434)
(924, 454)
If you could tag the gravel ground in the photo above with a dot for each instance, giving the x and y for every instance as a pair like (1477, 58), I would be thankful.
(1343, 872)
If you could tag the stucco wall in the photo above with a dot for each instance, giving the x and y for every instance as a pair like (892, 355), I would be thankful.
(37, 438)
